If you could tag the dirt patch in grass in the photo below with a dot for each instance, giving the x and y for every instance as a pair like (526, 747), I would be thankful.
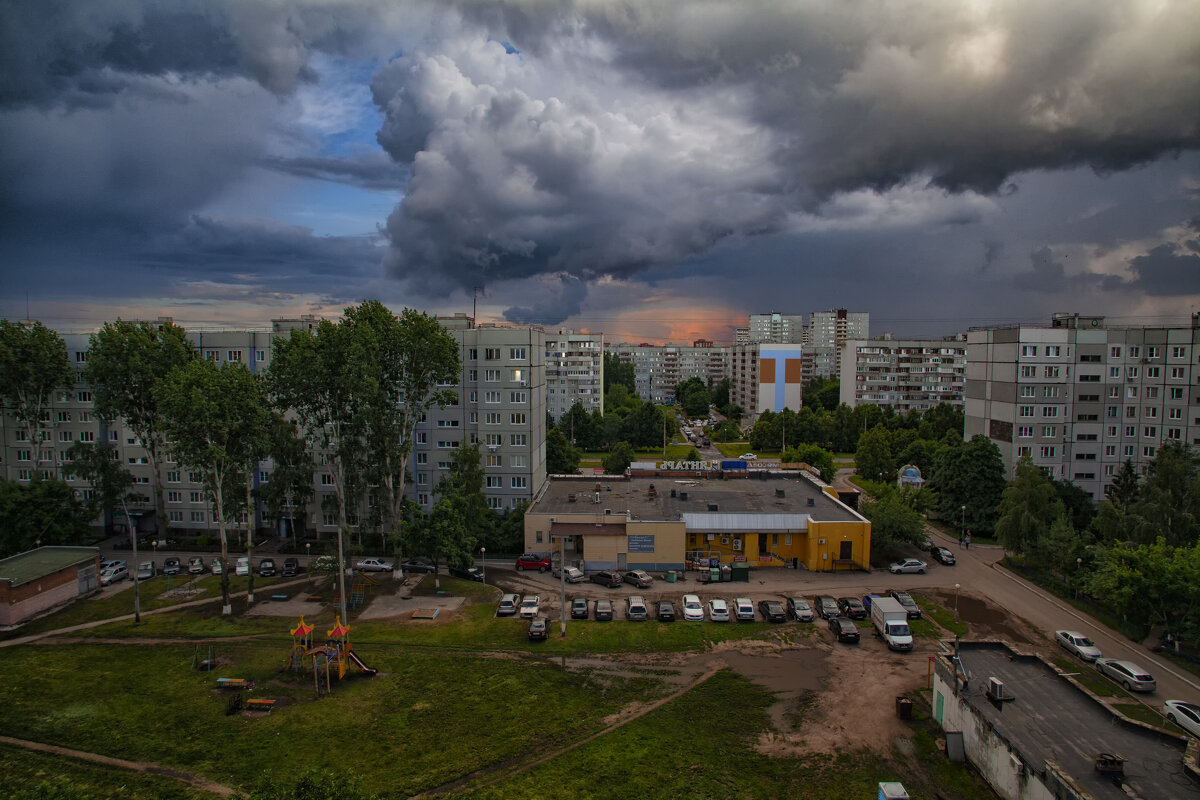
(985, 620)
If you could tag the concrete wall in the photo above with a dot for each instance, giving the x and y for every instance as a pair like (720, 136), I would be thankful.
(19, 603)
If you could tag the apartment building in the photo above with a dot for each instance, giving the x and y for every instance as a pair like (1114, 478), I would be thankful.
(574, 365)
(906, 374)
(766, 377)
(501, 406)
(776, 327)
(1081, 398)
(658, 369)
(825, 335)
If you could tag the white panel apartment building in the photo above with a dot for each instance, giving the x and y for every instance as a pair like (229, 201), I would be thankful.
(658, 369)
(826, 333)
(501, 406)
(906, 374)
(574, 371)
(1081, 398)
(776, 327)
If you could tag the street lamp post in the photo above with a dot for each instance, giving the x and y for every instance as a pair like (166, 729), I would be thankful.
(483, 563)
(962, 531)
(956, 588)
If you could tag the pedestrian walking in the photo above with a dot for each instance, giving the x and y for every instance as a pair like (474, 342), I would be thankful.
(968, 540)
(960, 542)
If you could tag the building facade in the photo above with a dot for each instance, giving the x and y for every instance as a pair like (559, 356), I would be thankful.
(574, 365)
(776, 327)
(1080, 398)
(767, 377)
(827, 332)
(906, 374)
(658, 369)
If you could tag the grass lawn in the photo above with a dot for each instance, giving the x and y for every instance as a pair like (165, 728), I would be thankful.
(1141, 713)
(43, 776)
(1092, 680)
(939, 614)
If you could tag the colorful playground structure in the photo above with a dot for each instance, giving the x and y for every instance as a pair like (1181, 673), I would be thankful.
(326, 661)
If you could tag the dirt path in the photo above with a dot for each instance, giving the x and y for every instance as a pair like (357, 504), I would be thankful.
(506, 770)
(145, 767)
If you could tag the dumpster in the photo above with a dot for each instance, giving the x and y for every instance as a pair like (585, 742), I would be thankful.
(741, 573)
(714, 575)
(726, 573)
(903, 708)
(670, 576)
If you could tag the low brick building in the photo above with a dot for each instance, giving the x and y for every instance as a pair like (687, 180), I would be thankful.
(41, 579)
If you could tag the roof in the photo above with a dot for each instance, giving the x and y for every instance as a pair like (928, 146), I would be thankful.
(34, 564)
(771, 501)
(779, 523)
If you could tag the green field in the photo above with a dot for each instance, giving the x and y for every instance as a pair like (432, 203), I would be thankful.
(461, 708)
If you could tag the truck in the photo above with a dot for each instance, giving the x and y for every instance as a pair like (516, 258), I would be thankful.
(891, 623)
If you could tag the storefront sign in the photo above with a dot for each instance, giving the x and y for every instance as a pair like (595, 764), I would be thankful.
(688, 466)
(641, 542)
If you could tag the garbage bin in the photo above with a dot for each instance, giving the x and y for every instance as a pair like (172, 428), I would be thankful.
(726, 573)
(670, 576)
(903, 708)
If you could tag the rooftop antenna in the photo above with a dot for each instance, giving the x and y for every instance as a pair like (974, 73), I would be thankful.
(474, 307)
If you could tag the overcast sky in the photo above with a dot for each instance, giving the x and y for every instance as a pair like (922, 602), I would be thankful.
(651, 170)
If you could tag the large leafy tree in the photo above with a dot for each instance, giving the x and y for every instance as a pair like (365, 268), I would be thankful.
(814, 456)
(618, 459)
(970, 476)
(1150, 584)
(645, 426)
(99, 465)
(617, 372)
(693, 397)
(125, 363)
(894, 519)
(1029, 506)
(1169, 500)
(463, 484)
(33, 367)
(43, 511)
(561, 457)
(213, 417)
(873, 459)
(579, 427)
(1125, 487)
(290, 484)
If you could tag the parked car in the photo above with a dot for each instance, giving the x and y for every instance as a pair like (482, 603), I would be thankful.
(743, 609)
(530, 606)
(242, 568)
(468, 574)
(799, 609)
(196, 566)
(827, 607)
(1126, 673)
(509, 604)
(635, 608)
(579, 608)
(113, 562)
(844, 630)
(114, 573)
(1184, 714)
(852, 607)
(638, 578)
(693, 611)
(146, 570)
(905, 599)
(533, 561)
(216, 566)
(604, 610)
(747, 456)
(908, 565)
(539, 629)
(171, 566)
(1075, 642)
(942, 555)
(574, 574)
(266, 568)
(605, 578)
(424, 565)
(666, 611)
(718, 610)
(291, 567)
(375, 565)
(772, 611)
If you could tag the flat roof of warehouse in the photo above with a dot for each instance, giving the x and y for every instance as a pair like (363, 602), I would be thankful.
(33, 564)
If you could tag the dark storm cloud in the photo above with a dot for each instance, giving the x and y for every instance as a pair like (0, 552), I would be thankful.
(370, 170)
(1165, 271)
(552, 301)
(610, 138)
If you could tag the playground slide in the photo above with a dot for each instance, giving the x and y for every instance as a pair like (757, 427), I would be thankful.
(368, 670)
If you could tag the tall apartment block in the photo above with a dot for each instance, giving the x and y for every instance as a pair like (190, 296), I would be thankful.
(501, 406)
(906, 374)
(574, 371)
(766, 377)
(658, 369)
(1081, 398)
(777, 328)
(826, 333)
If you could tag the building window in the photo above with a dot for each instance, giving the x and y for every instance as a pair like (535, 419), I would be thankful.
(1114, 391)
(447, 423)
(1151, 352)
(1130, 430)
(212, 355)
(519, 462)
(491, 375)
(517, 397)
(1026, 411)
(492, 418)
(84, 396)
(516, 354)
(1028, 371)
(518, 419)
(493, 482)
(1173, 433)
(233, 355)
(422, 479)
(1135, 352)
(491, 397)
(1148, 451)
(1110, 450)
(492, 461)
(1114, 352)
(1048, 452)
(1048, 431)
(472, 354)
(1177, 373)
(1025, 431)
(1024, 451)
(518, 439)
(1028, 351)
(1050, 391)
(1174, 413)
(175, 516)
(64, 416)
(1178, 352)
(1153, 372)
(1112, 430)
(1114, 373)
(491, 354)
(421, 437)
(519, 482)
(1053, 350)
(197, 517)
(1050, 411)
(445, 444)
(422, 458)
(1028, 391)
(496, 503)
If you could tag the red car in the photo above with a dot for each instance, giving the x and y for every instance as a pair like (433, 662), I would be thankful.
(533, 561)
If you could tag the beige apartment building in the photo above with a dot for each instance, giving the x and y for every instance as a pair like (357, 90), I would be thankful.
(906, 374)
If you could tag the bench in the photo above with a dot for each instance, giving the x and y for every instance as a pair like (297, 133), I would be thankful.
(314, 598)
(260, 704)
(279, 597)
(235, 683)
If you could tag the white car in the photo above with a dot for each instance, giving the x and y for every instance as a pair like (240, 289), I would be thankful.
(196, 566)
(718, 610)
(529, 606)
(1075, 642)
(216, 566)
(146, 570)
(1127, 673)
(908, 565)
(114, 573)
(743, 609)
(113, 562)
(574, 574)
(242, 568)
(693, 610)
(375, 565)
(747, 456)
(1184, 714)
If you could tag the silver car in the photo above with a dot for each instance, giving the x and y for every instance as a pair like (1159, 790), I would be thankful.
(799, 609)
(1127, 673)
(718, 610)
(574, 574)
(1075, 642)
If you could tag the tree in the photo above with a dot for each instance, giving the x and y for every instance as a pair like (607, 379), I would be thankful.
(212, 416)
(1150, 584)
(619, 459)
(693, 397)
(1125, 487)
(645, 427)
(579, 428)
(720, 393)
(620, 400)
(313, 784)
(816, 457)
(971, 475)
(1078, 503)
(43, 512)
(1028, 508)
(289, 487)
(873, 459)
(125, 362)
(443, 535)
(894, 520)
(99, 465)
(561, 457)
(33, 366)
(618, 373)
(1169, 500)
(463, 485)
(508, 536)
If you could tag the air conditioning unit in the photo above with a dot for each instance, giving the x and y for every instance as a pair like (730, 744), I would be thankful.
(737, 544)
(820, 541)
(995, 689)
(724, 540)
(710, 536)
(523, 383)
